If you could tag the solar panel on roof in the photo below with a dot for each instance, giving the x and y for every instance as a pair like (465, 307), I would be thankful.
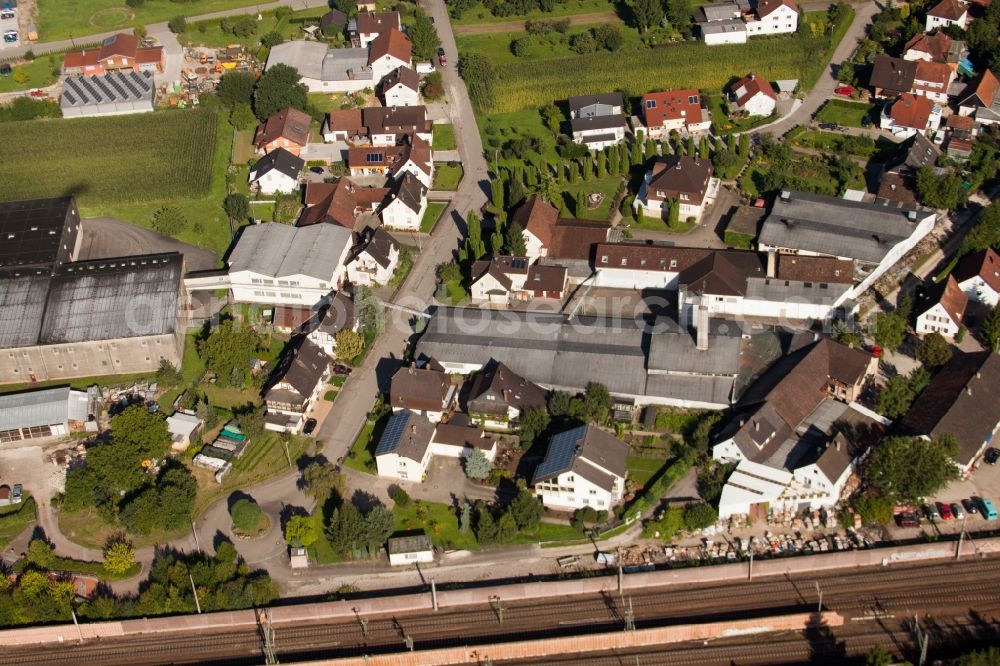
(562, 448)
(103, 88)
(132, 88)
(69, 97)
(393, 432)
(373, 157)
(118, 88)
(75, 85)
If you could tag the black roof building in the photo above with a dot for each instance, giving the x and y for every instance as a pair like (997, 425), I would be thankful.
(38, 232)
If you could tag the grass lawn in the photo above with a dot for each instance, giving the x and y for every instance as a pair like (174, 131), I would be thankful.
(331, 396)
(69, 565)
(42, 72)
(447, 177)
(738, 240)
(723, 124)
(320, 551)
(326, 102)
(843, 112)
(208, 225)
(656, 224)
(337, 380)
(431, 215)
(456, 293)
(878, 150)
(641, 470)
(480, 14)
(87, 528)
(505, 126)
(497, 45)
(444, 136)
(362, 454)
(608, 186)
(210, 33)
(62, 19)
(15, 518)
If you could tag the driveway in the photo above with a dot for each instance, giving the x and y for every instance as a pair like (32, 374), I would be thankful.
(105, 237)
(823, 90)
(172, 51)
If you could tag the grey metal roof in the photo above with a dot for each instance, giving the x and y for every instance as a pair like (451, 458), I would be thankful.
(279, 160)
(104, 299)
(597, 123)
(837, 227)
(791, 291)
(607, 99)
(22, 307)
(720, 11)
(280, 250)
(315, 60)
(111, 88)
(673, 350)
(724, 26)
(35, 408)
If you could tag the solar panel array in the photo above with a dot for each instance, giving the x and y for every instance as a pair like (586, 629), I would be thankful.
(111, 87)
(374, 158)
(393, 432)
(562, 450)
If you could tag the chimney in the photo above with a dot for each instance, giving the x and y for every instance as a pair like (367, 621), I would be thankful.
(701, 327)
(772, 264)
(756, 426)
(836, 443)
(968, 390)
(413, 429)
(786, 195)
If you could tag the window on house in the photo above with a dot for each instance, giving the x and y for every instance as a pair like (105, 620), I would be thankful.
(650, 103)
(684, 197)
(673, 263)
(604, 258)
(624, 261)
(692, 99)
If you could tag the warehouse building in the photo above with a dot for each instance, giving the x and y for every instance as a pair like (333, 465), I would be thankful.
(39, 232)
(111, 94)
(48, 413)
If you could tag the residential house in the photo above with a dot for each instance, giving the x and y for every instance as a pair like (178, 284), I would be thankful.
(872, 236)
(118, 52)
(288, 129)
(548, 235)
(366, 27)
(942, 309)
(404, 449)
(276, 173)
(333, 318)
(978, 276)
(401, 88)
(686, 180)
(724, 31)
(898, 183)
(934, 47)
(680, 110)
(413, 156)
(297, 383)
(406, 203)
(646, 364)
(733, 22)
(183, 428)
(961, 130)
(946, 13)
(340, 202)
(344, 125)
(458, 437)
(583, 467)
(498, 396)
(501, 279)
(413, 549)
(379, 126)
(784, 435)
(983, 103)
(334, 22)
(909, 115)
(279, 264)
(590, 106)
(374, 259)
(325, 69)
(598, 132)
(425, 391)
(958, 149)
(52, 412)
(774, 17)
(932, 80)
(753, 95)
(962, 400)
(892, 77)
(388, 52)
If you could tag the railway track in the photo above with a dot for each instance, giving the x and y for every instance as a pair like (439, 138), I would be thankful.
(857, 593)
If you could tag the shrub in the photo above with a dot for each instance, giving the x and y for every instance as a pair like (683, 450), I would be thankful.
(399, 496)
(245, 514)
(177, 25)
(169, 221)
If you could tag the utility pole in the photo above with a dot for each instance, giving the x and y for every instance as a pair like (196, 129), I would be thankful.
(79, 631)
(499, 607)
(195, 590)
(267, 633)
(750, 569)
(194, 531)
(362, 621)
(434, 595)
(620, 576)
(923, 638)
(629, 616)
(819, 591)
(961, 538)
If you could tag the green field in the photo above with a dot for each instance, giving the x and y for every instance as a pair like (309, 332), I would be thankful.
(497, 45)
(447, 177)
(444, 136)
(119, 159)
(844, 113)
(480, 14)
(523, 84)
(42, 72)
(63, 19)
(431, 215)
(641, 470)
(210, 33)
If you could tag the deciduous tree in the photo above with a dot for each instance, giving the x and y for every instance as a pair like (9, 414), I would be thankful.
(933, 350)
(300, 532)
(350, 344)
(277, 89)
(141, 430)
(909, 469)
(229, 350)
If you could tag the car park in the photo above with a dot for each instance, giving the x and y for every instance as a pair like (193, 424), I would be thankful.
(931, 512)
(971, 506)
(945, 511)
(956, 510)
(992, 456)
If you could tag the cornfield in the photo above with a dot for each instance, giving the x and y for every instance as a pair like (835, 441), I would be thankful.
(523, 85)
(118, 159)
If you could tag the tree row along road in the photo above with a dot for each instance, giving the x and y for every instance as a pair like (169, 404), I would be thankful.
(900, 591)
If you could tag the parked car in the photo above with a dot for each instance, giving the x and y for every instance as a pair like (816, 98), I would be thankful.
(956, 510)
(309, 427)
(845, 91)
(988, 508)
(971, 506)
(442, 60)
(932, 513)
(15, 497)
(833, 127)
(945, 511)
(316, 169)
(908, 519)
(5, 70)
(992, 456)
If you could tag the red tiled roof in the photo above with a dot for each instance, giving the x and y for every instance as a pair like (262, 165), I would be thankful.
(950, 296)
(766, 7)
(932, 72)
(672, 105)
(962, 123)
(986, 89)
(151, 54)
(537, 216)
(377, 22)
(751, 86)
(357, 156)
(292, 317)
(289, 123)
(85, 58)
(122, 44)
(575, 239)
(338, 202)
(951, 10)
(345, 120)
(985, 264)
(936, 44)
(392, 42)
(910, 110)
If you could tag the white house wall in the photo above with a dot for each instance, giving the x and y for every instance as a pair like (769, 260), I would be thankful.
(977, 290)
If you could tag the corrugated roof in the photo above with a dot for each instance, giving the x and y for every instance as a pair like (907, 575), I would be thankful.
(36, 408)
(278, 250)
